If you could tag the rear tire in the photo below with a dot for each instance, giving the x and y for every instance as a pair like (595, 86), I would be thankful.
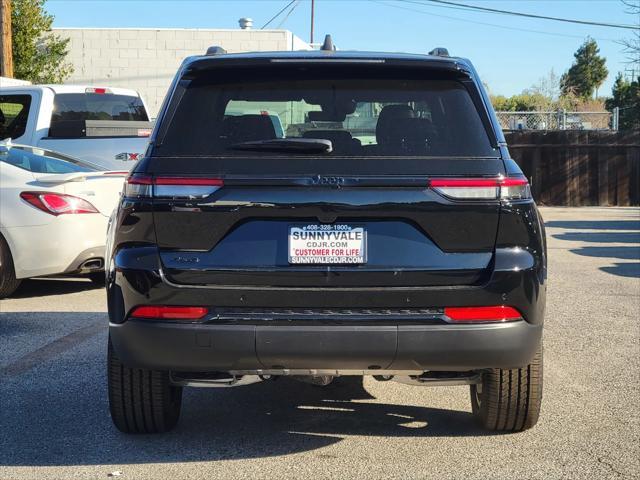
(509, 400)
(8, 281)
(141, 400)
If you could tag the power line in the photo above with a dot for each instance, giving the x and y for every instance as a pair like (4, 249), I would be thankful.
(516, 29)
(522, 14)
(297, 2)
(278, 14)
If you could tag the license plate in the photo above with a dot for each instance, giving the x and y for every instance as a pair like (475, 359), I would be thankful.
(327, 244)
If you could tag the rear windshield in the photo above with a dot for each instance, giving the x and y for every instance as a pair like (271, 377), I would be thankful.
(70, 110)
(37, 160)
(370, 117)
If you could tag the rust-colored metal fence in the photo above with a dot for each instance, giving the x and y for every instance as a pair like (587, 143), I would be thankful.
(576, 168)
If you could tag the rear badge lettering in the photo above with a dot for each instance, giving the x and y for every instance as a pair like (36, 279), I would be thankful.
(127, 156)
(336, 181)
(186, 259)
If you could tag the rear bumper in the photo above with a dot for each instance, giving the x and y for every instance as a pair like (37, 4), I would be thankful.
(210, 347)
(517, 280)
(57, 247)
(89, 260)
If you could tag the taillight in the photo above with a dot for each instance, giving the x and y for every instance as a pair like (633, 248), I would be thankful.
(502, 188)
(98, 90)
(140, 186)
(498, 313)
(169, 312)
(515, 188)
(58, 203)
(171, 187)
(184, 187)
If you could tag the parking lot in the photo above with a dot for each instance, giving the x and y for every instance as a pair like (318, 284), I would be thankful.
(55, 419)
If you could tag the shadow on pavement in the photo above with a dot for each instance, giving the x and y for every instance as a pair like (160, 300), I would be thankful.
(623, 253)
(595, 225)
(43, 287)
(600, 237)
(623, 269)
(630, 234)
(57, 414)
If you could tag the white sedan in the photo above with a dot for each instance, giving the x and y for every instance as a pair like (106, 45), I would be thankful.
(54, 211)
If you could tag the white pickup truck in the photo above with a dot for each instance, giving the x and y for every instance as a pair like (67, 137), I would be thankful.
(103, 125)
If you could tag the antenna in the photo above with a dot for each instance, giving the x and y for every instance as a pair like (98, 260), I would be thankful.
(313, 5)
(439, 52)
(215, 50)
(328, 44)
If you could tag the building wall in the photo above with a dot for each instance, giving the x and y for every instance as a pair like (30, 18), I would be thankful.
(146, 59)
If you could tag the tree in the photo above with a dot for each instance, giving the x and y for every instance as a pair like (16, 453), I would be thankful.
(38, 54)
(632, 45)
(587, 73)
(526, 101)
(626, 96)
(547, 86)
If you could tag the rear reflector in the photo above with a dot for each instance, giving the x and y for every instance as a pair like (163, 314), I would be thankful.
(498, 313)
(168, 312)
(58, 203)
(503, 188)
(171, 187)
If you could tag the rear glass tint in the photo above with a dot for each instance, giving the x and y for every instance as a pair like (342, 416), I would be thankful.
(361, 117)
(70, 110)
(14, 113)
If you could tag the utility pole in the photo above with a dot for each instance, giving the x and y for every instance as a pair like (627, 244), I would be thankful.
(313, 4)
(6, 55)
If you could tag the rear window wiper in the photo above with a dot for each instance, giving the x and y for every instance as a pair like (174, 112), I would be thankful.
(298, 145)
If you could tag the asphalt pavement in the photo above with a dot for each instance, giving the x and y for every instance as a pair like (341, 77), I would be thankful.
(54, 416)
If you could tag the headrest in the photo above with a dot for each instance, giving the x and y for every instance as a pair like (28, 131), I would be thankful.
(389, 115)
(407, 136)
(247, 128)
(397, 111)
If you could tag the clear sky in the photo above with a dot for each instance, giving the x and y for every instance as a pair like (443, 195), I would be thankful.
(510, 53)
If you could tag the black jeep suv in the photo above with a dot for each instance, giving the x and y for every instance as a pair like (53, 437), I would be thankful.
(319, 214)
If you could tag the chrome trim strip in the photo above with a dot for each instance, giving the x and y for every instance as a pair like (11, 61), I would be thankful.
(324, 371)
(239, 378)
(418, 381)
(168, 282)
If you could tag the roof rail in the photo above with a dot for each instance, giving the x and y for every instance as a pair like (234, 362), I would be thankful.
(215, 50)
(439, 52)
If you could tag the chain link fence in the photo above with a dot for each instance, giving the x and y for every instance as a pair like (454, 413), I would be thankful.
(558, 120)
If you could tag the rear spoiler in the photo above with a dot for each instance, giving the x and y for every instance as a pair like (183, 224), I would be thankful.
(195, 65)
(78, 176)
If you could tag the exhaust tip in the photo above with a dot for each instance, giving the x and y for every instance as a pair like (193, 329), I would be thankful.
(92, 265)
